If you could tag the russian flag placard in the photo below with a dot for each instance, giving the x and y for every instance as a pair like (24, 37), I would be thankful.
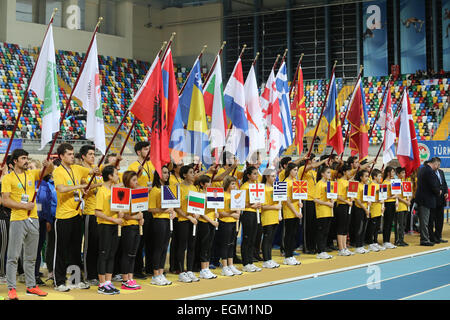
(332, 189)
(139, 200)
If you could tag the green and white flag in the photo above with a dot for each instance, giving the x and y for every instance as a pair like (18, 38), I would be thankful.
(88, 92)
(45, 85)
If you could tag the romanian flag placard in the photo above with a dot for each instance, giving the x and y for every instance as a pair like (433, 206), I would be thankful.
(120, 198)
(196, 203)
(383, 192)
(332, 189)
(215, 198)
(300, 190)
(396, 186)
(407, 188)
(352, 191)
(369, 193)
(139, 200)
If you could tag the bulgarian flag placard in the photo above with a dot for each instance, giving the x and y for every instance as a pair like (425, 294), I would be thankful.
(196, 203)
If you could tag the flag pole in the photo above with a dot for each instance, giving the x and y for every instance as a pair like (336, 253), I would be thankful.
(294, 80)
(19, 114)
(254, 60)
(318, 123)
(215, 62)
(198, 58)
(381, 105)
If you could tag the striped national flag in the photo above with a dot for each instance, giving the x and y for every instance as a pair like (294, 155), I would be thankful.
(332, 186)
(196, 203)
(139, 195)
(214, 195)
(369, 190)
(279, 188)
(396, 186)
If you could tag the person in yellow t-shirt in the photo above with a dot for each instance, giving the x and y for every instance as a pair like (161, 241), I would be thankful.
(342, 210)
(324, 211)
(361, 211)
(402, 212)
(226, 235)
(108, 238)
(270, 215)
(376, 211)
(174, 180)
(389, 208)
(68, 225)
(18, 189)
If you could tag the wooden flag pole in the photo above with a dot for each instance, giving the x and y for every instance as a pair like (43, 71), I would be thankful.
(318, 123)
(294, 81)
(198, 58)
(256, 58)
(215, 62)
(25, 97)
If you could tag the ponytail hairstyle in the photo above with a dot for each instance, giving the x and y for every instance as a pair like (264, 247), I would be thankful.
(227, 182)
(359, 174)
(322, 170)
(387, 171)
(201, 181)
(266, 173)
(157, 181)
(289, 168)
(248, 172)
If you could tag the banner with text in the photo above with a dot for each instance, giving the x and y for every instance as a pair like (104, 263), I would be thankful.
(431, 149)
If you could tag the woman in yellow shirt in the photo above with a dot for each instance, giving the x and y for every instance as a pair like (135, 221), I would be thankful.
(376, 210)
(269, 219)
(402, 212)
(389, 208)
(341, 211)
(108, 238)
(361, 211)
(324, 211)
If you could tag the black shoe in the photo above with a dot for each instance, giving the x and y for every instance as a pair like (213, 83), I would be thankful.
(140, 276)
(39, 282)
(404, 244)
(257, 258)
(427, 244)
(333, 247)
(328, 249)
(309, 252)
(105, 290)
(237, 260)
(443, 241)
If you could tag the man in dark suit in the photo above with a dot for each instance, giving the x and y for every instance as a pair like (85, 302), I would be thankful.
(426, 195)
(437, 214)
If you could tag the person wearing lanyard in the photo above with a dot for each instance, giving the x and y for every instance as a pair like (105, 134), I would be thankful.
(18, 188)
(145, 178)
(68, 224)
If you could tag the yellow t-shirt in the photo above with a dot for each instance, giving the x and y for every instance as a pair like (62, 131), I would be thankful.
(67, 206)
(245, 187)
(103, 204)
(184, 190)
(375, 207)
(360, 196)
(16, 187)
(173, 181)
(89, 199)
(155, 203)
(287, 212)
(269, 217)
(282, 175)
(342, 190)
(320, 193)
(227, 208)
(310, 176)
(146, 178)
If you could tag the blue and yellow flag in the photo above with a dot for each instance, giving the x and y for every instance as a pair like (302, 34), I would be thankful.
(331, 115)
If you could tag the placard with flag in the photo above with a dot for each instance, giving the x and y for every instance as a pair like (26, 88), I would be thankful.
(280, 191)
(352, 191)
(238, 198)
(396, 186)
(139, 200)
(369, 193)
(300, 190)
(120, 198)
(169, 199)
(215, 198)
(407, 188)
(256, 192)
(196, 203)
(383, 192)
(332, 187)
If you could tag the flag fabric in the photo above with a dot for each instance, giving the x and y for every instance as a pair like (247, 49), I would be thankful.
(45, 85)
(283, 98)
(386, 122)
(88, 92)
(147, 106)
(256, 132)
(276, 136)
(267, 98)
(215, 108)
(331, 115)
(357, 118)
(234, 97)
(298, 104)
(407, 148)
(170, 100)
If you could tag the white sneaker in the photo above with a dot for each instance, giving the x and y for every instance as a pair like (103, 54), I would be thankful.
(381, 248)
(249, 268)
(343, 252)
(360, 250)
(80, 285)
(192, 276)
(350, 252)
(268, 265)
(158, 281)
(235, 271)
(226, 271)
(62, 288)
(276, 265)
(373, 247)
(168, 282)
(183, 277)
(257, 269)
(207, 274)
(389, 245)
(324, 255)
(117, 278)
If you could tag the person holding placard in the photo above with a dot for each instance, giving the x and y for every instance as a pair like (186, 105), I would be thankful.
(389, 207)
(108, 222)
(291, 215)
(342, 210)
(174, 180)
(402, 212)
(376, 210)
(361, 211)
(324, 211)
(130, 237)
(249, 221)
(226, 235)
(184, 229)
(269, 219)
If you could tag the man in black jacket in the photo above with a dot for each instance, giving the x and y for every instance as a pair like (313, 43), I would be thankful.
(427, 192)
(437, 214)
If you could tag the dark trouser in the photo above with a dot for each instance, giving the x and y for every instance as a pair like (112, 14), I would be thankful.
(4, 232)
(50, 250)
(291, 227)
(160, 241)
(258, 240)
(68, 237)
(309, 226)
(205, 236)
(323, 227)
(341, 219)
(42, 236)
(424, 216)
(351, 226)
(400, 223)
(388, 218)
(185, 240)
(332, 234)
(360, 226)
(279, 235)
(373, 226)
(249, 230)
(90, 247)
(438, 222)
(173, 248)
(268, 235)
(129, 243)
(108, 241)
(226, 237)
(145, 246)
